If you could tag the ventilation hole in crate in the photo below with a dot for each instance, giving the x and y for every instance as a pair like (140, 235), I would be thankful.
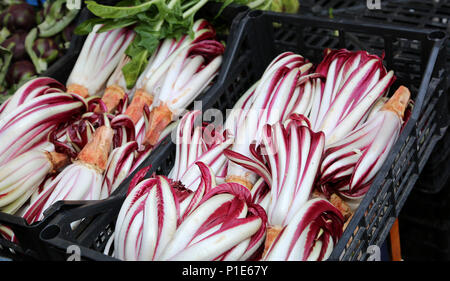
(278, 32)
(290, 36)
(99, 241)
(110, 229)
(281, 32)
(437, 35)
(340, 4)
(357, 41)
(50, 232)
(314, 40)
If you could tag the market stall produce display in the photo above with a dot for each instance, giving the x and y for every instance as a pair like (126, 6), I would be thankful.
(309, 158)
(196, 58)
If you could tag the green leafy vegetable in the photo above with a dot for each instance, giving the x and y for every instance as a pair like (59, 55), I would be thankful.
(282, 6)
(135, 66)
(57, 19)
(116, 12)
(151, 20)
(5, 61)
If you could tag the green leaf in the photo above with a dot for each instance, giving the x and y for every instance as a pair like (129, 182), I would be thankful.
(115, 12)
(87, 26)
(224, 5)
(5, 61)
(153, 21)
(39, 64)
(110, 25)
(134, 68)
(4, 34)
(147, 40)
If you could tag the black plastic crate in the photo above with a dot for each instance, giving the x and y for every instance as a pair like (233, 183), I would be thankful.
(421, 14)
(325, 7)
(25, 233)
(429, 14)
(417, 56)
(30, 246)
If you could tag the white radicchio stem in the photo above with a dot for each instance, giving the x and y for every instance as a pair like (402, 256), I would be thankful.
(192, 145)
(29, 125)
(355, 80)
(191, 71)
(189, 200)
(375, 108)
(119, 166)
(292, 152)
(147, 220)
(6, 233)
(150, 82)
(117, 77)
(294, 165)
(261, 194)
(350, 165)
(224, 226)
(154, 204)
(33, 88)
(310, 235)
(284, 88)
(144, 151)
(161, 60)
(82, 180)
(22, 176)
(99, 57)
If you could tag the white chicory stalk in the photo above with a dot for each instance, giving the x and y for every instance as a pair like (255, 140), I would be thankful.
(147, 220)
(165, 54)
(21, 177)
(196, 143)
(350, 165)
(151, 212)
(33, 88)
(188, 199)
(286, 87)
(6, 233)
(161, 220)
(81, 180)
(354, 82)
(309, 236)
(224, 226)
(261, 194)
(119, 166)
(292, 152)
(190, 72)
(150, 82)
(99, 57)
(375, 108)
(144, 151)
(29, 125)
(117, 78)
(116, 91)
(40, 189)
